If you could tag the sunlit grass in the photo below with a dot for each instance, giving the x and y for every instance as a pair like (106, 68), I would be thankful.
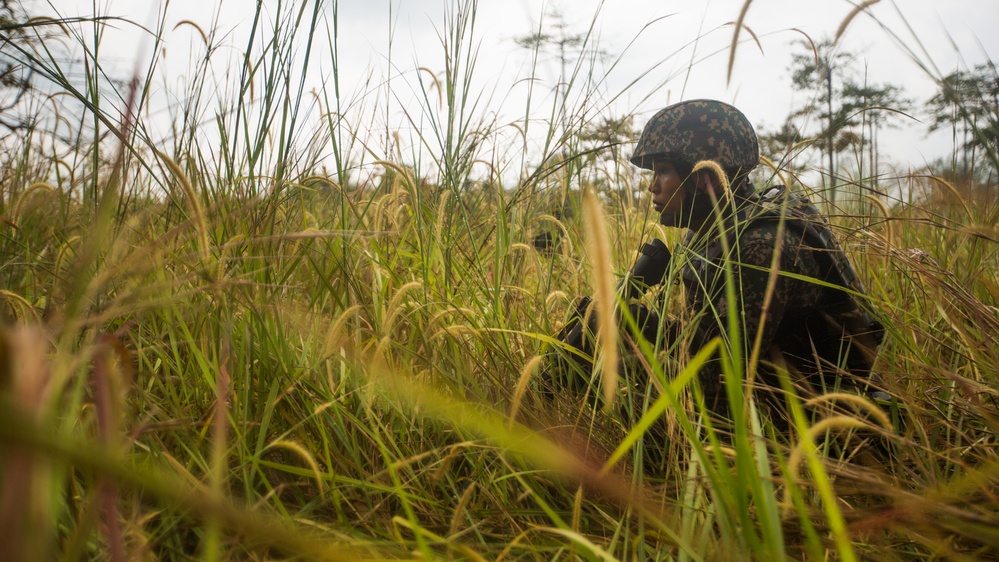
(233, 352)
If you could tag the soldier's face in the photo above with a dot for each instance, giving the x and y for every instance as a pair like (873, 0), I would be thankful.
(667, 196)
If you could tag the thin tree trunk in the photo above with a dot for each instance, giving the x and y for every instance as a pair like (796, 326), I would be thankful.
(830, 135)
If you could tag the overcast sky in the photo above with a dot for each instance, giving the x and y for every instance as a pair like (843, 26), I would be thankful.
(658, 39)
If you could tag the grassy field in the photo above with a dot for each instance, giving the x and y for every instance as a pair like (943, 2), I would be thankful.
(228, 350)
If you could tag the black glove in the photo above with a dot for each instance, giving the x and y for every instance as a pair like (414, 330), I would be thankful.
(649, 270)
(572, 367)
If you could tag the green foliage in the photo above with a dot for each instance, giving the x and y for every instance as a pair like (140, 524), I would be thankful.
(15, 30)
(230, 352)
(968, 104)
(851, 112)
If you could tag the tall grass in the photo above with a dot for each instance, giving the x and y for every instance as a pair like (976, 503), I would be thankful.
(243, 350)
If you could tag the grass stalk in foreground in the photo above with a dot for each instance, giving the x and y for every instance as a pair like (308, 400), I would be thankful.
(325, 363)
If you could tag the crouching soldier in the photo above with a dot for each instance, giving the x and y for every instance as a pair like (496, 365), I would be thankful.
(768, 254)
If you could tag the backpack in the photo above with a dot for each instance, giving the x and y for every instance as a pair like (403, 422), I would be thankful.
(851, 323)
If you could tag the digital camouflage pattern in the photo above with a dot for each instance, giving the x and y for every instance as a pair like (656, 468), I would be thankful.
(809, 322)
(696, 130)
(806, 217)
(810, 319)
(821, 333)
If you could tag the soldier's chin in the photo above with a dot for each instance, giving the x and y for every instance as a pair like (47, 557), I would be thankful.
(667, 218)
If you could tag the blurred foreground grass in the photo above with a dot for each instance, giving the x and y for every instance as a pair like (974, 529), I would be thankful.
(250, 357)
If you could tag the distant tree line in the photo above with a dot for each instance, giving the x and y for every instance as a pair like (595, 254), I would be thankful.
(844, 112)
(967, 104)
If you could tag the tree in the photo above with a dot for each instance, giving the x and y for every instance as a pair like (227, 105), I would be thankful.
(876, 106)
(968, 103)
(817, 70)
(605, 137)
(851, 112)
(15, 79)
(567, 45)
(777, 145)
(570, 49)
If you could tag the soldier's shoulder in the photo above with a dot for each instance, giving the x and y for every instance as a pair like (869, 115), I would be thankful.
(760, 240)
(760, 232)
(757, 242)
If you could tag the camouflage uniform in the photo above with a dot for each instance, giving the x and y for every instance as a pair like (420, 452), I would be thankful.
(813, 328)
(806, 317)
(804, 323)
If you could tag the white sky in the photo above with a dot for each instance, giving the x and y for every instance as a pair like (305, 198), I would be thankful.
(957, 33)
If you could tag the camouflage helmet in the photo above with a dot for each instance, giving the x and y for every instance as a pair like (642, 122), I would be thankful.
(696, 130)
